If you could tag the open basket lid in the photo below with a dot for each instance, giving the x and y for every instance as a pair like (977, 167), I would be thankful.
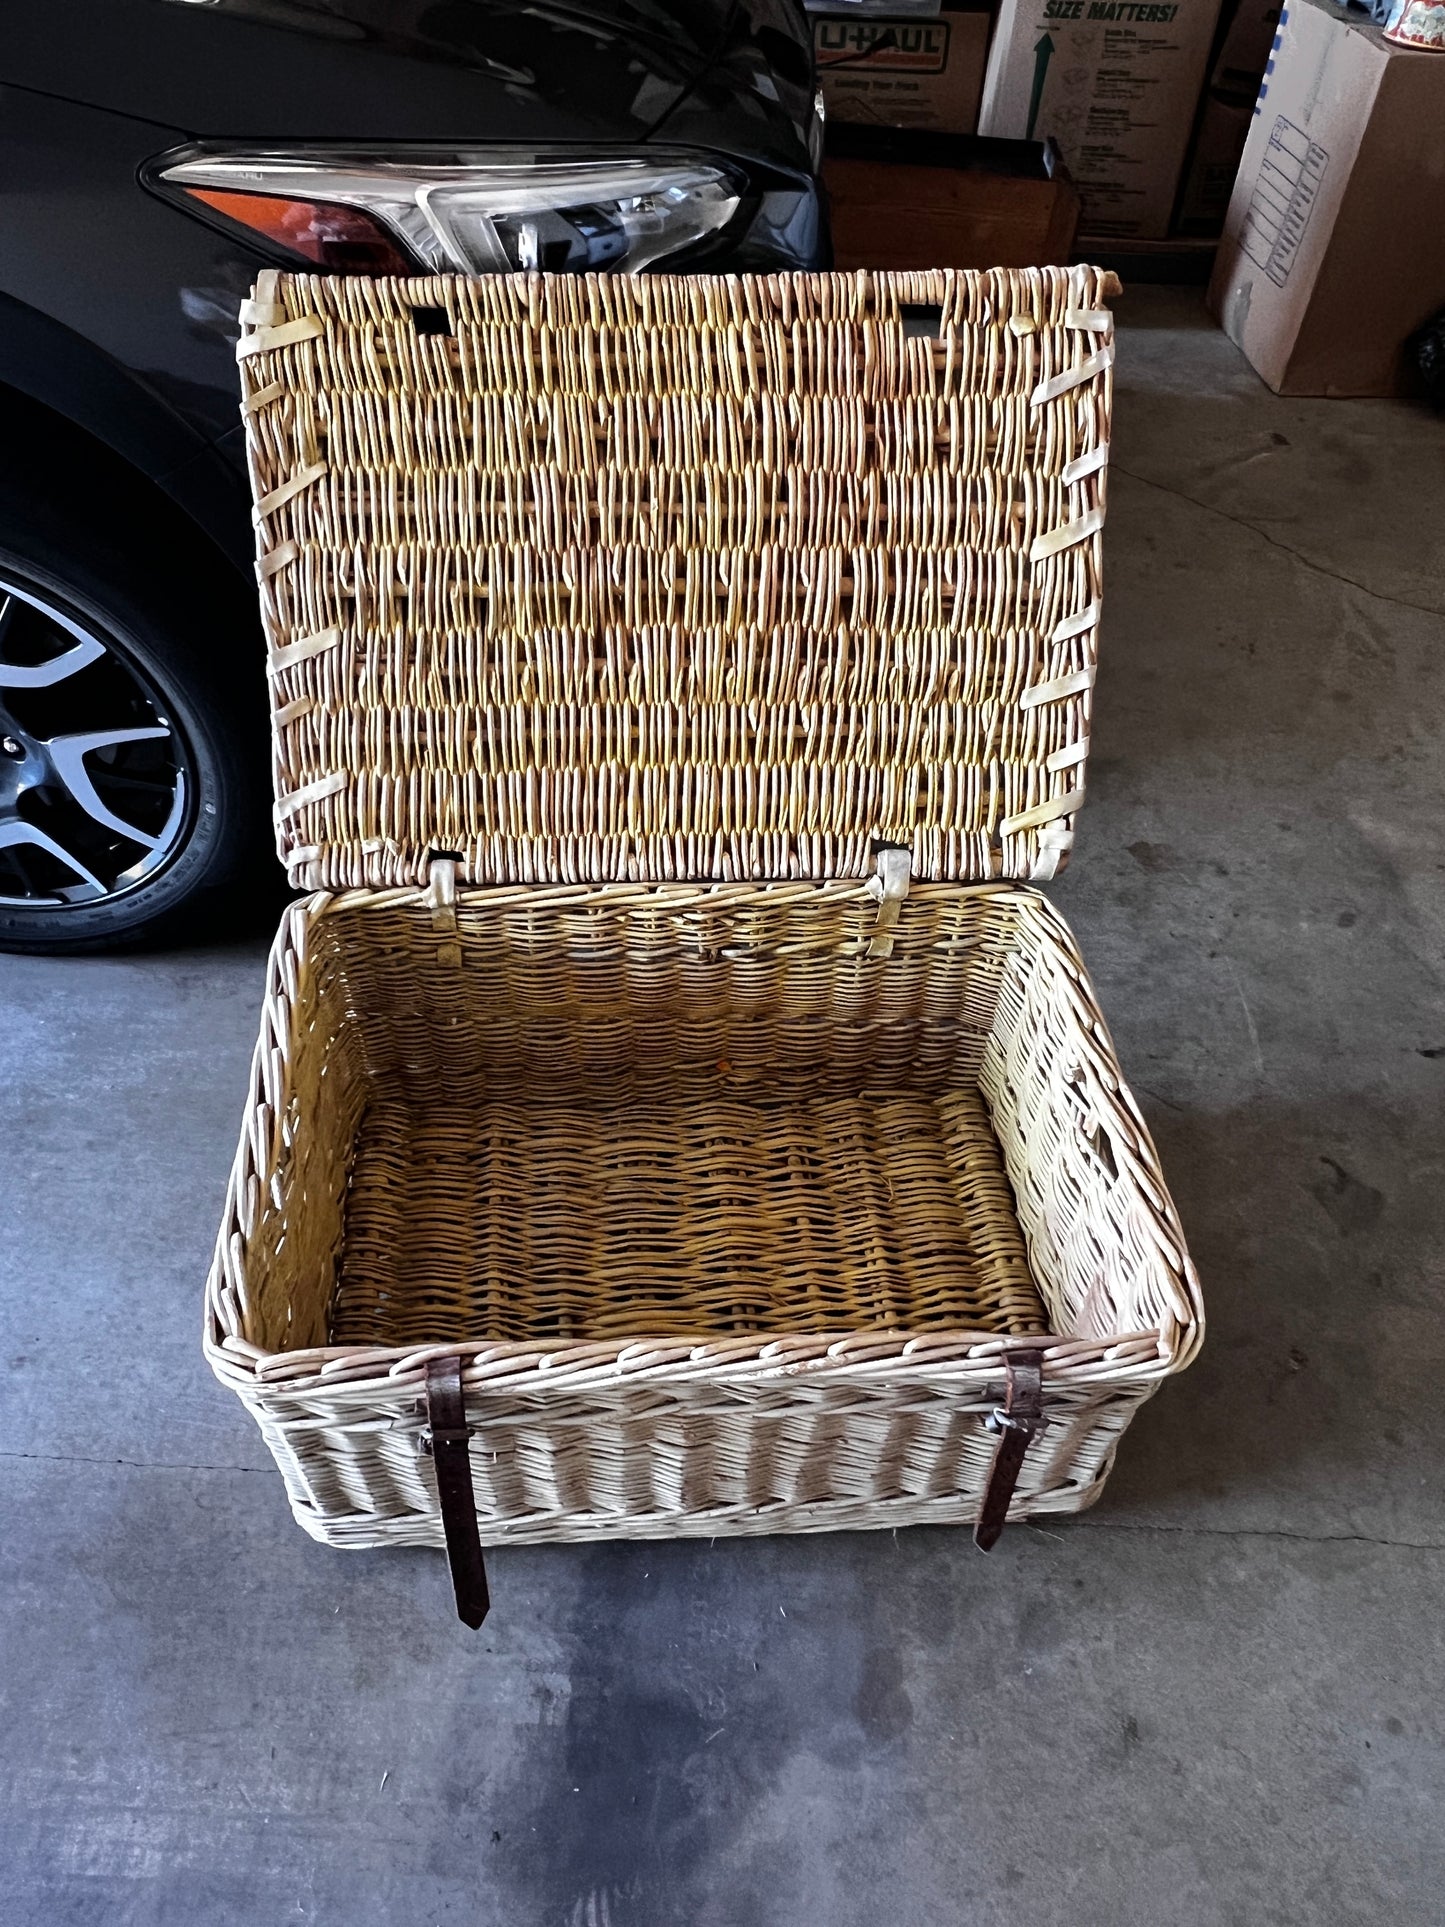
(591, 578)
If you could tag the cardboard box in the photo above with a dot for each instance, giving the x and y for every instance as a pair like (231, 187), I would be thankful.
(1212, 165)
(908, 200)
(1116, 84)
(922, 74)
(1334, 250)
(1225, 117)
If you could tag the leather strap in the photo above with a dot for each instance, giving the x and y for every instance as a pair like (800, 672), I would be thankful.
(446, 1438)
(1017, 1421)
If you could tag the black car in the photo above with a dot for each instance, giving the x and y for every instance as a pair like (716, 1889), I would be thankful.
(156, 153)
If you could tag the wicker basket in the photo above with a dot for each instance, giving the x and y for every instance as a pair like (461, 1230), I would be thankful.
(674, 1113)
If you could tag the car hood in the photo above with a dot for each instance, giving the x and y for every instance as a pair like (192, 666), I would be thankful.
(371, 69)
(466, 30)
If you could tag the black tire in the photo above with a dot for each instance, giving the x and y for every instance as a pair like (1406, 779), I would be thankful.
(181, 621)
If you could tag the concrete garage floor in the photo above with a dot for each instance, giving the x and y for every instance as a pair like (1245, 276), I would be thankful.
(1214, 1700)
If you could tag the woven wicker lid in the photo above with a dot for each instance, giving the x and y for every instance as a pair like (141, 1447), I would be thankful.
(594, 579)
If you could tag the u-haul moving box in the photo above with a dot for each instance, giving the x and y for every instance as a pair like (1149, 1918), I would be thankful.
(923, 74)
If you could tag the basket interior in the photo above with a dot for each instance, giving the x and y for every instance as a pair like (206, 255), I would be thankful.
(706, 1204)
(671, 1113)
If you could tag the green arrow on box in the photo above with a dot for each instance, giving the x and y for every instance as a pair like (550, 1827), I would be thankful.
(1043, 54)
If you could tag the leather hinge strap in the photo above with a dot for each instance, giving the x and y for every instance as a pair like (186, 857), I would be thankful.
(446, 1438)
(441, 897)
(889, 888)
(1017, 1421)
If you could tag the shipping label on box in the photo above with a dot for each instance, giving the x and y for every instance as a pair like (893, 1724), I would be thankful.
(1116, 84)
(923, 74)
(1286, 187)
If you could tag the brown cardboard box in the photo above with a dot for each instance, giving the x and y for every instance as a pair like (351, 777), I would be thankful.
(1213, 163)
(1225, 117)
(1115, 83)
(1334, 249)
(923, 74)
(1251, 32)
(907, 200)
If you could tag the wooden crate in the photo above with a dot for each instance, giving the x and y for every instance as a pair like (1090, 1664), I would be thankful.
(907, 201)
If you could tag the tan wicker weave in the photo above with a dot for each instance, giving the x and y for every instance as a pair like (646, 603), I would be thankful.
(732, 1191)
(680, 578)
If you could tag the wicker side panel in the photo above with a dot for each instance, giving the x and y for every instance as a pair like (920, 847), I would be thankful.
(282, 1232)
(686, 577)
(1104, 1238)
(698, 1460)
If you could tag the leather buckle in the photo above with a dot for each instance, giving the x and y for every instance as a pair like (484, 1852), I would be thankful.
(1015, 1423)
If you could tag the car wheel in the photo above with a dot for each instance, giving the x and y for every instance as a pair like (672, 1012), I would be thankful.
(131, 787)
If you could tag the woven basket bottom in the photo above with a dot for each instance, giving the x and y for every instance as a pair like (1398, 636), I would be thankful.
(831, 1184)
(716, 1208)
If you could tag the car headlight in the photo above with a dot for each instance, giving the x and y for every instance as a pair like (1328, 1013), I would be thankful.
(483, 211)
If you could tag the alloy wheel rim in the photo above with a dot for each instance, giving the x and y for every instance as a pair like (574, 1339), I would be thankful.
(96, 782)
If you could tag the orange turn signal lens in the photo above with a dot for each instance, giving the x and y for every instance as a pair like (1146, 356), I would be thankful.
(344, 240)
